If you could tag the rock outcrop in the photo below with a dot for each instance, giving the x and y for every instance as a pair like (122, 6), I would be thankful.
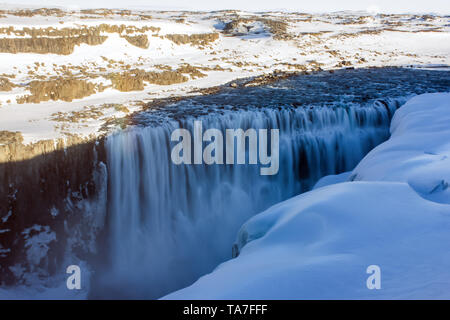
(52, 202)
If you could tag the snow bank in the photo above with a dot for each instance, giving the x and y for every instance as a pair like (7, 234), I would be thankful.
(418, 151)
(318, 245)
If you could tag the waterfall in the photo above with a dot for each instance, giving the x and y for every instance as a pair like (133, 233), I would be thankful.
(169, 224)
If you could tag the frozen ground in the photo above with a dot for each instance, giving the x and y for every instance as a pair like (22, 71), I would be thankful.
(244, 44)
(392, 211)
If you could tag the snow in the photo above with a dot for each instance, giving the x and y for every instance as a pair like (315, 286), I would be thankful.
(418, 151)
(257, 50)
(37, 245)
(394, 214)
(332, 179)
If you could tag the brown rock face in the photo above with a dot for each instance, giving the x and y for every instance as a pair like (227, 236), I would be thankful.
(59, 45)
(201, 39)
(57, 186)
(127, 81)
(134, 80)
(63, 41)
(140, 41)
(59, 89)
(8, 138)
(6, 85)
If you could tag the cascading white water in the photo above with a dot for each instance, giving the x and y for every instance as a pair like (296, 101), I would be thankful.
(169, 224)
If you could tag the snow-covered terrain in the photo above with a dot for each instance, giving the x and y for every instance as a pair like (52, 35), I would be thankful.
(78, 72)
(392, 211)
(75, 190)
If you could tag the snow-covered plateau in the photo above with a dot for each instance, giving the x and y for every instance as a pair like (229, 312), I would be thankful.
(66, 73)
(392, 211)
